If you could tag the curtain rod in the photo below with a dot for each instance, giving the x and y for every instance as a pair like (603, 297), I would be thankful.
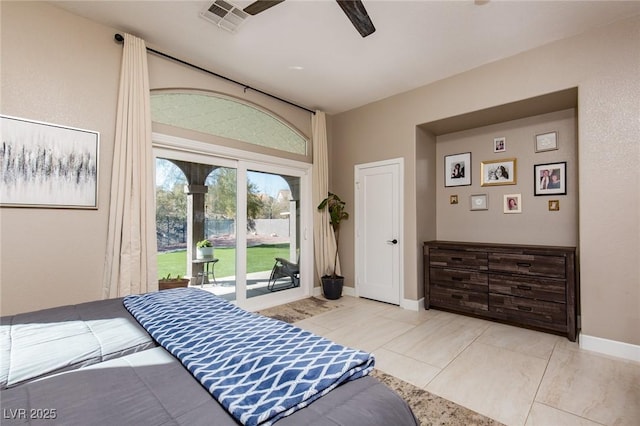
(120, 39)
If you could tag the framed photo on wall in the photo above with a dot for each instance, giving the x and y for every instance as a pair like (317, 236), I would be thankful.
(513, 203)
(547, 141)
(48, 165)
(498, 172)
(479, 202)
(550, 178)
(499, 144)
(457, 169)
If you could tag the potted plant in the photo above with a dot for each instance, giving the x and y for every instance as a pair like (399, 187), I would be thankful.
(332, 284)
(168, 282)
(204, 249)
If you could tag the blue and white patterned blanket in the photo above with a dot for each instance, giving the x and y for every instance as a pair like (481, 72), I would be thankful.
(258, 368)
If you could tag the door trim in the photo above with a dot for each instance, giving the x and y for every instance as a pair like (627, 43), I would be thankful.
(357, 210)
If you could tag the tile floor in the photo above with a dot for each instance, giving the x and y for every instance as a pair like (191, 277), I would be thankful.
(512, 375)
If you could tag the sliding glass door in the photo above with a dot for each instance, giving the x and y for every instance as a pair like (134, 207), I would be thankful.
(197, 202)
(273, 234)
(258, 233)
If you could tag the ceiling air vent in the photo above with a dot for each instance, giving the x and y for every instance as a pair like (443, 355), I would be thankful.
(225, 15)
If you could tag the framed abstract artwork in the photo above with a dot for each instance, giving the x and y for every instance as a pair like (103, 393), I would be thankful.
(48, 165)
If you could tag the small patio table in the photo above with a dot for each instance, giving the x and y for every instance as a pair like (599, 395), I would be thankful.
(207, 270)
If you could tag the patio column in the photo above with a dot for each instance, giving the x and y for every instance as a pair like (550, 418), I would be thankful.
(195, 226)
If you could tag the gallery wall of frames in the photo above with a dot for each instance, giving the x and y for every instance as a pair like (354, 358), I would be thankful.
(510, 182)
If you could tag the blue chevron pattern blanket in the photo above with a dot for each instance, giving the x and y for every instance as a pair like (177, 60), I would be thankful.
(258, 368)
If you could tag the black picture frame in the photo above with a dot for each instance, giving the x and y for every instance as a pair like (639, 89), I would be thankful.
(556, 179)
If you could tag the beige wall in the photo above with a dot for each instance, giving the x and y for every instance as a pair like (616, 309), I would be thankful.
(536, 224)
(57, 67)
(426, 225)
(61, 69)
(604, 64)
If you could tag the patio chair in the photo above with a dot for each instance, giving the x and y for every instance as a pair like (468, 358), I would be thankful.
(284, 268)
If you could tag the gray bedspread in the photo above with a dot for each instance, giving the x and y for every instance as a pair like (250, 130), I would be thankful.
(152, 388)
(93, 364)
(41, 343)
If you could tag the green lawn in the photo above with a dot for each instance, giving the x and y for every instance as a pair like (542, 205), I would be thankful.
(259, 258)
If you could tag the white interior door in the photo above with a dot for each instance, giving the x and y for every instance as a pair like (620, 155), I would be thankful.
(379, 266)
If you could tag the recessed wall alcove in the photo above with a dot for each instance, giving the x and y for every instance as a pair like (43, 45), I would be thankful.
(474, 132)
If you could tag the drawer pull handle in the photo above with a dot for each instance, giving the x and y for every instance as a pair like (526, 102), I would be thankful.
(457, 259)
(523, 264)
(457, 278)
(524, 287)
(456, 296)
(525, 308)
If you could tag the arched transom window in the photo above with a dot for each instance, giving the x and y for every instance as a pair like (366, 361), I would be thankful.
(221, 116)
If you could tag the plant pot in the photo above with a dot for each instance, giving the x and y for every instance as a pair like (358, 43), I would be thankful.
(204, 253)
(173, 283)
(332, 287)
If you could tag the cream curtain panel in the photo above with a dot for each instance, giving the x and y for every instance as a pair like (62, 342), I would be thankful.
(130, 263)
(323, 238)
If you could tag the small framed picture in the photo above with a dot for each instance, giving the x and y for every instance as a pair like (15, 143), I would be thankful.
(499, 144)
(547, 141)
(513, 203)
(498, 172)
(554, 205)
(550, 179)
(457, 169)
(479, 202)
(453, 199)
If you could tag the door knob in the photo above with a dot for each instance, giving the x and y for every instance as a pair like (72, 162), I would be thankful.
(394, 241)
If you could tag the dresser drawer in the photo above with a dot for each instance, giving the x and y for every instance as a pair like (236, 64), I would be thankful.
(460, 279)
(528, 264)
(534, 286)
(461, 300)
(458, 259)
(549, 289)
(528, 311)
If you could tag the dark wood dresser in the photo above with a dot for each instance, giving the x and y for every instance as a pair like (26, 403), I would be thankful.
(525, 285)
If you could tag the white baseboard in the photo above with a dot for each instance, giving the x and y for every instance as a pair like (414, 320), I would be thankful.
(412, 305)
(610, 347)
(349, 291)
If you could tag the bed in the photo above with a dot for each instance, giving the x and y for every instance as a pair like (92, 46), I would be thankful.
(182, 357)
(50, 341)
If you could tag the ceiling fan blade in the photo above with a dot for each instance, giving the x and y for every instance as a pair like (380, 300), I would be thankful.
(260, 6)
(357, 14)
